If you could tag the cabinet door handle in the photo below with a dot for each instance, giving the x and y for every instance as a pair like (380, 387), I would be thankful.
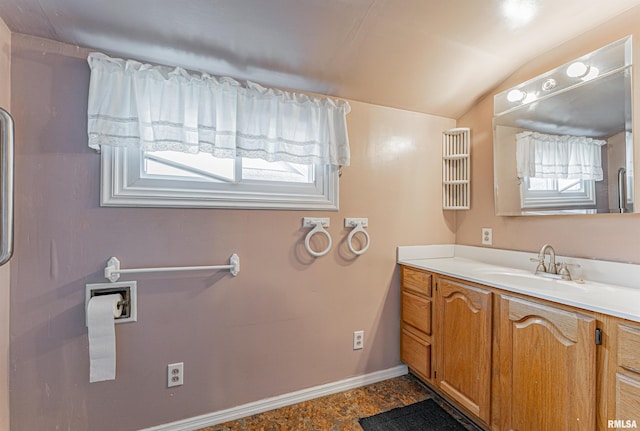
(598, 337)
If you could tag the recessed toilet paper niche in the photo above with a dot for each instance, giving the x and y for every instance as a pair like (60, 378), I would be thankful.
(129, 292)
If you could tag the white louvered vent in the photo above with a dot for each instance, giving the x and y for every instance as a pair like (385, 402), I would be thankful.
(456, 148)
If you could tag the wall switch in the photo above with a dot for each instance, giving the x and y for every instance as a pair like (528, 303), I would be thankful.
(358, 340)
(487, 236)
(175, 374)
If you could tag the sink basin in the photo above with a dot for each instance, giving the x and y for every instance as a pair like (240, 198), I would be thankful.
(517, 277)
(506, 272)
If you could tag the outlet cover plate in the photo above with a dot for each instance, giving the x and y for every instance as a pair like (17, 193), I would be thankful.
(175, 374)
(487, 236)
(358, 340)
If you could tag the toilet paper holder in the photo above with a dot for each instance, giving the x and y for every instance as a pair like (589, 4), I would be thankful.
(129, 292)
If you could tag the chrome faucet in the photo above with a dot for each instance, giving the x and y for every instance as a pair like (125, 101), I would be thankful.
(552, 270)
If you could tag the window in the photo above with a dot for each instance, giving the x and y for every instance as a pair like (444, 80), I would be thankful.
(173, 138)
(160, 164)
(552, 192)
(134, 177)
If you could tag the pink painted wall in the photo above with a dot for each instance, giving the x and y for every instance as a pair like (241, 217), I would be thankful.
(284, 324)
(5, 102)
(608, 236)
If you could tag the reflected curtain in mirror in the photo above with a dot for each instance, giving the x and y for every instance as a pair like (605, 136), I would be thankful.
(540, 155)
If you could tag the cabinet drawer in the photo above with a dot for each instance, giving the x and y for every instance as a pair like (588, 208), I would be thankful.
(417, 281)
(416, 311)
(416, 353)
(629, 348)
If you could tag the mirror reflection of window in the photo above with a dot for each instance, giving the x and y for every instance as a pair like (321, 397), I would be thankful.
(539, 193)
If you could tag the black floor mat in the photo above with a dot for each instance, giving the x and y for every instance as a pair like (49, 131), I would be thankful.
(423, 416)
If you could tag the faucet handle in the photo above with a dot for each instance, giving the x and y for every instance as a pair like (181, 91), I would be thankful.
(540, 262)
(564, 270)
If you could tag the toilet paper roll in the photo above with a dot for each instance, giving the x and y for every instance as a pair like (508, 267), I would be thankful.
(101, 312)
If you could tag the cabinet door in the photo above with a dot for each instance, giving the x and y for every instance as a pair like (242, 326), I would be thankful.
(548, 367)
(463, 345)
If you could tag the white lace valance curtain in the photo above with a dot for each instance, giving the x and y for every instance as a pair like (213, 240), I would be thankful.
(551, 156)
(159, 108)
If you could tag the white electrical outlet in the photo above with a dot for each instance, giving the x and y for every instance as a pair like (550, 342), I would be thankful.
(358, 340)
(487, 236)
(175, 374)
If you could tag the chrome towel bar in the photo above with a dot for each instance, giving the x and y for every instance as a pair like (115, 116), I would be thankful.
(112, 271)
(6, 186)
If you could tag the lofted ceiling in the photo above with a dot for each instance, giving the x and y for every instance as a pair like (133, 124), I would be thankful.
(431, 56)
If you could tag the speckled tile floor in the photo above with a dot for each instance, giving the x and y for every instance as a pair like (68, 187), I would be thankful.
(335, 412)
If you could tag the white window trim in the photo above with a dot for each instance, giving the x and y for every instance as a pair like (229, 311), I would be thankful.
(541, 199)
(123, 186)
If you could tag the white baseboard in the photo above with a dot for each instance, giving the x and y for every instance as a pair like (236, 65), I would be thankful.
(194, 423)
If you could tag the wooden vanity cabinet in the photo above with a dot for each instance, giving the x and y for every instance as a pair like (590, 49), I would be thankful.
(463, 343)
(547, 367)
(416, 336)
(512, 362)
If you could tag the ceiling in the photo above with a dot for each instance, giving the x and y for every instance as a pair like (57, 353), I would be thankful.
(431, 56)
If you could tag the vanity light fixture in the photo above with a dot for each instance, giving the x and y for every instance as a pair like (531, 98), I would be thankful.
(520, 96)
(592, 66)
(583, 71)
(577, 70)
(530, 97)
(593, 73)
(549, 84)
(516, 95)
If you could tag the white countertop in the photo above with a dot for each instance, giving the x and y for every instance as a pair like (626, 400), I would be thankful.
(513, 272)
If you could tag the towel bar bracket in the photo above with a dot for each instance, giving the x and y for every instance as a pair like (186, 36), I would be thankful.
(113, 270)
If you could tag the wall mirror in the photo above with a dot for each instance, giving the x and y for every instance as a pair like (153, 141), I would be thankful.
(563, 143)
